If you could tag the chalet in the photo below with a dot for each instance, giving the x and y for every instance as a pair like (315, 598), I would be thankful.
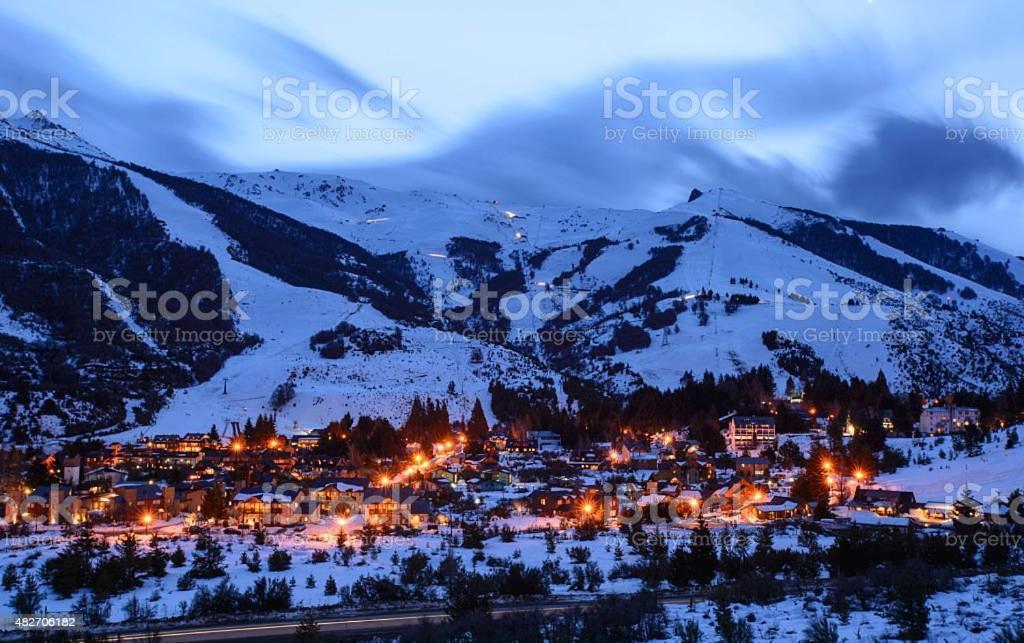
(553, 502)
(752, 468)
(884, 502)
(307, 440)
(141, 499)
(734, 497)
(484, 485)
(257, 507)
(587, 460)
(546, 440)
(189, 497)
(397, 506)
(521, 446)
(778, 508)
(109, 475)
(340, 497)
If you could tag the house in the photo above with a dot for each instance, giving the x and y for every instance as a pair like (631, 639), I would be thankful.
(734, 497)
(142, 499)
(546, 440)
(750, 434)
(522, 446)
(397, 506)
(587, 460)
(552, 502)
(257, 507)
(948, 419)
(109, 475)
(752, 468)
(884, 502)
(778, 508)
(340, 497)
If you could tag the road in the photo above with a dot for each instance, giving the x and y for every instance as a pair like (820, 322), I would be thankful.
(351, 625)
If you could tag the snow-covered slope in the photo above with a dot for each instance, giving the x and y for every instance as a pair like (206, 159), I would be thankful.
(740, 246)
(721, 283)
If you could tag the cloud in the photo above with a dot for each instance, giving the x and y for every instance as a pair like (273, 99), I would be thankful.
(908, 170)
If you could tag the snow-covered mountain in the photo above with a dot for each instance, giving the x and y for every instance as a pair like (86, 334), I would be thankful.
(353, 291)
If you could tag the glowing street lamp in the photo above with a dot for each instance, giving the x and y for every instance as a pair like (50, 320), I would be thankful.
(827, 465)
(858, 474)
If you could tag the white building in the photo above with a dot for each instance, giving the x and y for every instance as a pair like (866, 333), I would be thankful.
(750, 434)
(948, 419)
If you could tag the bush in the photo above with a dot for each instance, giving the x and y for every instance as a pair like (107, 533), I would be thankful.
(279, 561)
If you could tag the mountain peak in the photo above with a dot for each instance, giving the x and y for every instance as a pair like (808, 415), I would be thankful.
(38, 131)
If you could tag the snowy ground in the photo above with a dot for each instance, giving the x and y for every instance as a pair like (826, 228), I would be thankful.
(165, 599)
(971, 613)
(998, 471)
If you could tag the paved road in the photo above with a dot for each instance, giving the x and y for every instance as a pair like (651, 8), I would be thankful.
(349, 625)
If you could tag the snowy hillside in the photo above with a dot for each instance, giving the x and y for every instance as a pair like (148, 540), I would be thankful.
(936, 474)
(722, 283)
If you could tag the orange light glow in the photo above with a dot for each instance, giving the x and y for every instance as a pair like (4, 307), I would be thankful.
(587, 508)
(384, 481)
(418, 458)
(826, 465)
(236, 446)
(146, 519)
(858, 474)
(273, 443)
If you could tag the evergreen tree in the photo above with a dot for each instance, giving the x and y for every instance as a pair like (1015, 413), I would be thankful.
(215, 503)
(10, 580)
(703, 561)
(178, 557)
(330, 586)
(908, 603)
(29, 598)
(477, 429)
(208, 559)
